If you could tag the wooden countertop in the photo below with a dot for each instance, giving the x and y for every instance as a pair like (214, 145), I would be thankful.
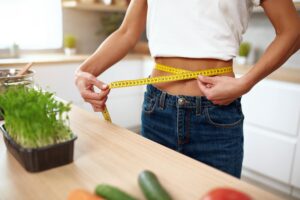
(286, 74)
(106, 153)
(56, 58)
(140, 51)
(41, 59)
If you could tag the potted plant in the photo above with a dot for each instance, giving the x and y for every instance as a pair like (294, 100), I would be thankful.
(36, 130)
(244, 51)
(70, 44)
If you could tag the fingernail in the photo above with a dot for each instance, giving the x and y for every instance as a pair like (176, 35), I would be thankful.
(104, 86)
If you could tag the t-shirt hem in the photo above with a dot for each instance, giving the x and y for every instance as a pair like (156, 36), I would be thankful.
(172, 52)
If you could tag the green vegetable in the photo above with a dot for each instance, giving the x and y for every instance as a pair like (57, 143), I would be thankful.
(151, 187)
(34, 118)
(244, 49)
(112, 193)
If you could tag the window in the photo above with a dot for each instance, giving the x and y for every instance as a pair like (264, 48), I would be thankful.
(32, 24)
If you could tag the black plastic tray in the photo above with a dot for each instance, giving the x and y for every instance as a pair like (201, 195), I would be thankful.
(40, 159)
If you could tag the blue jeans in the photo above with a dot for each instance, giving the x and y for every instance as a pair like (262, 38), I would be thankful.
(196, 127)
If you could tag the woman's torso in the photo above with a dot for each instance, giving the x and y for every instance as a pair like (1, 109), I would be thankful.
(195, 35)
(186, 87)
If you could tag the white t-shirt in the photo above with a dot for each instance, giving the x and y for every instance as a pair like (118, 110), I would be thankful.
(197, 28)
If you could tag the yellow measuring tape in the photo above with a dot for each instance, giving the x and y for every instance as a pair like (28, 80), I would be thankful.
(179, 74)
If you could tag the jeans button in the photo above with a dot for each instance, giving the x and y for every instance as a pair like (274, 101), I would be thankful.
(181, 101)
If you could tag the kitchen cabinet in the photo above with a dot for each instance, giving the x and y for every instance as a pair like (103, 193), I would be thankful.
(268, 154)
(271, 129)
(58, 78)
(296, 168)
(274, 105)
(124, 104)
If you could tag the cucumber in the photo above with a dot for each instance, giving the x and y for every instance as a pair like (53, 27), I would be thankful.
(112, 193)
(151, 187)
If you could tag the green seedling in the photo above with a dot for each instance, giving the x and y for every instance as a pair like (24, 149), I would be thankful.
(34, 118)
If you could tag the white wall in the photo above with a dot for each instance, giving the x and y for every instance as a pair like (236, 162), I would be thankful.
(84, 26)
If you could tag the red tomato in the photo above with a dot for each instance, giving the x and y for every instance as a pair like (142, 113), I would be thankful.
(225, 194)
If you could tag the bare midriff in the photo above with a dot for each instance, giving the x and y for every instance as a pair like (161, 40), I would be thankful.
(186, 87)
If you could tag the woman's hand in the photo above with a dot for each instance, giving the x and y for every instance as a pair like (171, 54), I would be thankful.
(123, 39)
(85, 83)
(222, 90)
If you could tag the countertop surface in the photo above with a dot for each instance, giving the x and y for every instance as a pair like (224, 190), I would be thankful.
(106, 153)
(54, 58)
(286, 74)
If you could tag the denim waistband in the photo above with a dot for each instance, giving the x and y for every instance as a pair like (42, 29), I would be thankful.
(180, 100)
(165, 98)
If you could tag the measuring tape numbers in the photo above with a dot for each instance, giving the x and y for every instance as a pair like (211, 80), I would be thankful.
(178, 74)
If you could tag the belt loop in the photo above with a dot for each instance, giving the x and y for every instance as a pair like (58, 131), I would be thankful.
(198, 106)
(162, 100)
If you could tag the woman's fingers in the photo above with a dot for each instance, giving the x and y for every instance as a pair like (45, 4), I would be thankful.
(202, 86)
(96, 109)
(205, 89)
(99, 84)
(207, 79)
(86, 88)
(89, 94)
(98, 103)
(92, 80)
(85, 80)
(211, 87)
(86, 83)
(98, 106)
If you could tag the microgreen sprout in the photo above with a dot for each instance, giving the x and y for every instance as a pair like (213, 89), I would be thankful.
(34, 118)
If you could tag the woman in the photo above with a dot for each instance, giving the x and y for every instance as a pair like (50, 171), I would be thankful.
(200, 118)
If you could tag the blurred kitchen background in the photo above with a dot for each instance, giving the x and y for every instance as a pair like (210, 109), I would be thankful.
(59, 35)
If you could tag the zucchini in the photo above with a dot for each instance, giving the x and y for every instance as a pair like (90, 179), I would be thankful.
(112, 193)
(151, 187)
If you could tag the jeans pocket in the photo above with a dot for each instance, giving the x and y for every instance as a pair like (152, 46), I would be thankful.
(149, 103)
(225, 116)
